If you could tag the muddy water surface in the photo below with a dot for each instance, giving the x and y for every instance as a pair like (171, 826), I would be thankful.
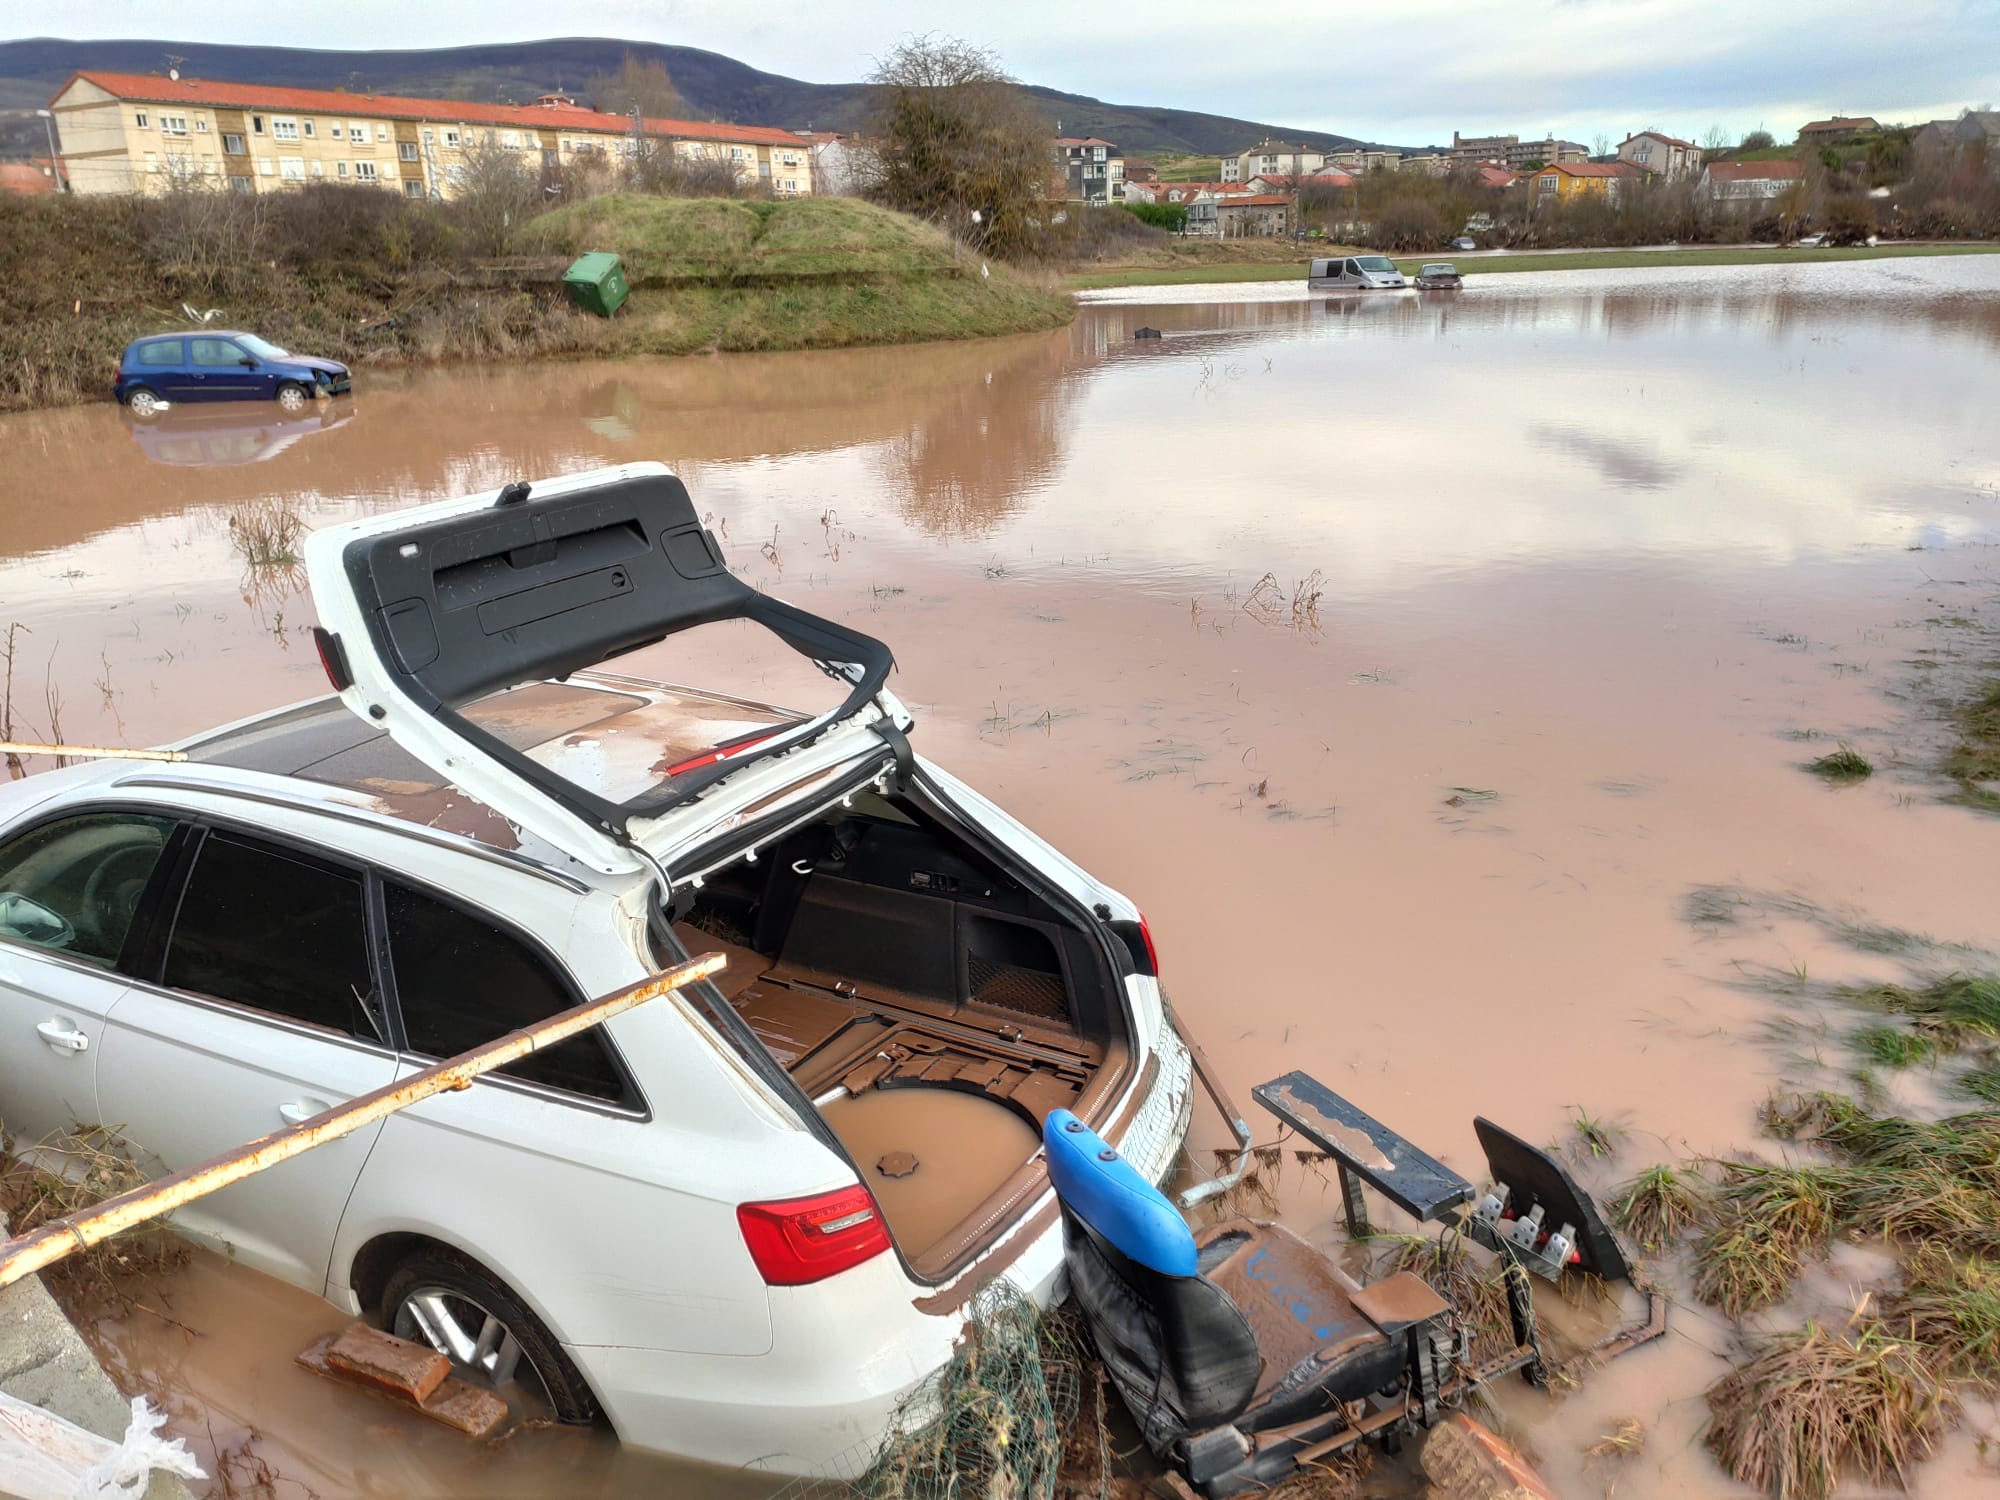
(1408, 660)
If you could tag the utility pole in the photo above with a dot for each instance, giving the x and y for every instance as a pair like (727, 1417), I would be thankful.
(55, 157)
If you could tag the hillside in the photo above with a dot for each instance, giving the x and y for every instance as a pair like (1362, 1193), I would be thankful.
(716, 87)
(374, 280)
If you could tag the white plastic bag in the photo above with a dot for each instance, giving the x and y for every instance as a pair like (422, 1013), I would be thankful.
(43, 1457)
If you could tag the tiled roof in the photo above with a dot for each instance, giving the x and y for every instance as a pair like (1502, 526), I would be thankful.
(1754, 171)
(24, 177)
(1671, 140)
(1082, 140)
(1593, 168)
(151, 89)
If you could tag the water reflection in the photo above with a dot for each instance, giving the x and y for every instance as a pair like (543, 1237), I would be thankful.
(227, 434)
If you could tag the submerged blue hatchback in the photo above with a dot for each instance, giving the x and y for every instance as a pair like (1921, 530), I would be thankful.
(170, 368)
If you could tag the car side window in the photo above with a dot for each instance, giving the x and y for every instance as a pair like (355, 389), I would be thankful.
(261, 927)
(74, 885)
(213, 352)
(161, 356)
(462, 981)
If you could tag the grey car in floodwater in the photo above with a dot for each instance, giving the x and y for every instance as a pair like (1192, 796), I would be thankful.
(1439, 276)
(1355, 273)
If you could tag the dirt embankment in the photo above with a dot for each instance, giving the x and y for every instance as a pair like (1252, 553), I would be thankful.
(372, 279)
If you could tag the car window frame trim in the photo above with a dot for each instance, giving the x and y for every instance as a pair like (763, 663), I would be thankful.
(635, 1104)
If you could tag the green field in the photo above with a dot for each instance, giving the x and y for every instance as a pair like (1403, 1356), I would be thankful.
(1472, 266)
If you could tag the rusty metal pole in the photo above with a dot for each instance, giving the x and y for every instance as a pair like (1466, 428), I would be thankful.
(87, 752)
(52, 1241)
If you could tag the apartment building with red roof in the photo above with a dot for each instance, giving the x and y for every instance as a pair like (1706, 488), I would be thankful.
(142, 133)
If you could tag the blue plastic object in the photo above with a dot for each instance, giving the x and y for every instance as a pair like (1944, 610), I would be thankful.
(1106, 1191)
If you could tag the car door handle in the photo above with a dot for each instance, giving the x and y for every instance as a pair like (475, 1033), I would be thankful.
(62, 1036)
(301, 1110)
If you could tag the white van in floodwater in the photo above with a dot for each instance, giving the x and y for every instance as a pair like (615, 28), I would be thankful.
(1355, 273)
(739, 1223)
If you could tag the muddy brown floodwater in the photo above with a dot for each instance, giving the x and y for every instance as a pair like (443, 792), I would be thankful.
(1408, 660)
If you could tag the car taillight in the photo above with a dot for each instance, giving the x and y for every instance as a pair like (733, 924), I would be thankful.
(1146, 937)
(803, 1240)
(332, 659)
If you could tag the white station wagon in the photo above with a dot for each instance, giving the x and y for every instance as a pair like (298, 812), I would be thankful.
(737, 1224)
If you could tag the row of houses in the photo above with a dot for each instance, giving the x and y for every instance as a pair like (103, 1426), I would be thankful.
(141, 133)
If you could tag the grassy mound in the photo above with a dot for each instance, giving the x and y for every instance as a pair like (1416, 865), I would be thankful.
(815, 273)
(374, 278)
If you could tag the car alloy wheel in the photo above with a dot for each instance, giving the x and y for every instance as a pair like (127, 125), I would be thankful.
(292, 398)
(145, 404)
(480, 1346)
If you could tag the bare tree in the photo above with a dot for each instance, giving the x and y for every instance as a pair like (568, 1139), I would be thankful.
(494, 192)
(958, 143)
(200, 231)
(645, 85)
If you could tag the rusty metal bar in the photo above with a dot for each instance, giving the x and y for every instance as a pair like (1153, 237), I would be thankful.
(1239, 1127)
(87, 752)
(50, 1243)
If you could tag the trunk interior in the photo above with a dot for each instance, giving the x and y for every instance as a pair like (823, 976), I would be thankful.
(928, 1002)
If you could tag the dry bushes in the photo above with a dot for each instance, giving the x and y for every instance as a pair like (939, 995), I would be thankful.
(72, 1171)
(1813, 1404)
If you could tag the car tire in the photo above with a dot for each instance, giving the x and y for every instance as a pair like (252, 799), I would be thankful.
(294, 397)
(143, 403)
(454, 1304)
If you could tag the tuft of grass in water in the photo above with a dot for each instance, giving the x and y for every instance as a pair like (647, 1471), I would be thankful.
(1815, 1403)
(1478, 1293)
(1976, 756)
(1950, 1305)
(1595, 1138)
(1626, 1439)
(1967, 1001)
(1895, 1046)
(1769, 1219)
(267, 533)
(1841, 766)
(1661, 1204)
(1981, 1083)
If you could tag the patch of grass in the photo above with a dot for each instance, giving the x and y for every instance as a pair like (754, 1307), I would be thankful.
(1950, 1304)
(1981, 1083)
(1894, 1046)
(1813, 1404)
(268, 533)
(1954, 1006)
(1477, 1293)
(1841, 766)
(1771, 1217)
(1595, 1138)
(1662, 1203)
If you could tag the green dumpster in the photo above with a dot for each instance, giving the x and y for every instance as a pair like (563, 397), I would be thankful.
(596, 283)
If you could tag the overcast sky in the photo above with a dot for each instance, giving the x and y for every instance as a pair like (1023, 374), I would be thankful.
(1409, 71)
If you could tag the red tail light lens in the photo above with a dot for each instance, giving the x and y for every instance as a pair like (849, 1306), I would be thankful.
(332, 659)
(1146, 936)
(803, 1240)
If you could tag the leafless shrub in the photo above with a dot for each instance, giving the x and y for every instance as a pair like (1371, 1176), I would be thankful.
(958, 144)
(496, 191)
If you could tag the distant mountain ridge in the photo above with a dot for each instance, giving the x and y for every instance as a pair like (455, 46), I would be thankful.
(716, 87)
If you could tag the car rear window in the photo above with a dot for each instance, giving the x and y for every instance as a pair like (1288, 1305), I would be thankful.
(462, 981)
(279, 934)
(154, 356)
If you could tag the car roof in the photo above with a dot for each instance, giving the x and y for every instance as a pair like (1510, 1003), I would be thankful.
(196, 333)
(594, 723)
